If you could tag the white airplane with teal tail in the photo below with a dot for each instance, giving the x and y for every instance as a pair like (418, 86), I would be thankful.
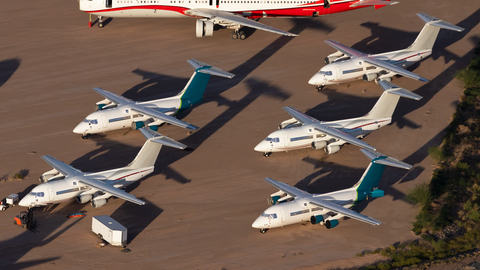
(291, 205)
(117, 112)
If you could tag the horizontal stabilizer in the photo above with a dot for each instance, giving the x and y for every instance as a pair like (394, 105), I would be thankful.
(159, 138)
(439, 23)
(206, 68)
(394, 89)
(373, 3)
(389, 161)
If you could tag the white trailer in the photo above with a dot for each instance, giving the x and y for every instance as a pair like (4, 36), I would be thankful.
(9, 201)
(109, 230)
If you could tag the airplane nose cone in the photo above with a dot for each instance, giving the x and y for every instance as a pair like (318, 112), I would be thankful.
(315, 80)
(80, 128)
(261, 147)
(24, 202)
(257, 224)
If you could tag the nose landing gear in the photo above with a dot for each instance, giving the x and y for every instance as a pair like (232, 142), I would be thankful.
(320, 87)
(100, 21)
(267, 154)
(263, 231)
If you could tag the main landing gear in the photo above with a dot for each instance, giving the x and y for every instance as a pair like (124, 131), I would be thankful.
(263, 231)
(320, 87)
(100, 21)
(238, 35)
(267, 154)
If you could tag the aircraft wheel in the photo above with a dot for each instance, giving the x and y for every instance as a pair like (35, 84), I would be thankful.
(263, 231)
(100, 25)
(234, 35)
(267, 154)
(320, 87)
(242, 35)
(84, 136)
(100, 236)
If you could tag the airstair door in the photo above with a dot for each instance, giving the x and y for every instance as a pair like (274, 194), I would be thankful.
(104, 121)
(51, 195)
(108, 3)
(286, 139)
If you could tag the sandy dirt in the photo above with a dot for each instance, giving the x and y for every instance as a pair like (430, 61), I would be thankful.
(201, 203)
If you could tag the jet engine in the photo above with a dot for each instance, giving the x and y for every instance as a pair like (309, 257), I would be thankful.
(50, 175)
(332, 57)
(273, 199)
(137, 125)
(96, 203)
(316, 219)
(289, 123)
(204, 28)
(316, 145)
(84, 198)
(332, 149)
(285, 199)
(331, 223)
(369, 77)
(102, 104)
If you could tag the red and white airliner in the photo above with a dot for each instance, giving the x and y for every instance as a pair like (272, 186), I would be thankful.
(230, 14)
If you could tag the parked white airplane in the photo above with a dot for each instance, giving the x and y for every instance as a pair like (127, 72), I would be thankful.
(117, 112)
(212, 15)
(291, 205)
(303, 131)
(65, 183)
(348, 64)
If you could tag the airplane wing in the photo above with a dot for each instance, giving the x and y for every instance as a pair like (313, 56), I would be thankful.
(373, 3)
(292, 191)
(61, 166)
(117, 99)
(110, 189)
(344, 211)
(333, 132)
(345, 49)
(159, 115)
(393, 68)
(394, 89)
(227, 17)
(299, 116)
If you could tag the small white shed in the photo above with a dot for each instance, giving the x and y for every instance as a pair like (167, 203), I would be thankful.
(110, 230)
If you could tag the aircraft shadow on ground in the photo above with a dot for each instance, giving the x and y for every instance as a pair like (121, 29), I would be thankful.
(13, 249)
(136, 218)
(7, 68)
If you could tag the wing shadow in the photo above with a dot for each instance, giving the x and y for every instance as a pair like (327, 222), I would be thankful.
(7, 68)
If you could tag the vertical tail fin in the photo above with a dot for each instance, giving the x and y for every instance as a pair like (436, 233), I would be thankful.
(372, 175)
(388, 101)
(429, 33)
(193, 91)
(149, 152)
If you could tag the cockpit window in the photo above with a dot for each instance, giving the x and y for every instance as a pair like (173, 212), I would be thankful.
(272, 216)
(268, 139)
(328, 73)
(91, 121)
(38, 194)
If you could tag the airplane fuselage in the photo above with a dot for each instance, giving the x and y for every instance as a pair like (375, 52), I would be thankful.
(69, 188)
(300, 136)
(299, 210)
(355, 68)
(121, 117)
(177, 8)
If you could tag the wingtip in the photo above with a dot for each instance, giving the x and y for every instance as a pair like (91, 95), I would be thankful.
(192, 127)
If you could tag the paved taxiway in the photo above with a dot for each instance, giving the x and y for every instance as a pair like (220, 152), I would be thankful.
(202, 203)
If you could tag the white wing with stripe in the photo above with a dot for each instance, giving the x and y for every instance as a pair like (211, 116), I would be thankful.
(373, 3)
(117, 99)
(159, 115)
(219, 16)
(314, 124)
(110, 189)
(60, 166)
(394, 69)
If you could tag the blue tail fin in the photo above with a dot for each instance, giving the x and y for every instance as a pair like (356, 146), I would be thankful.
(372, 175)
(193, 91)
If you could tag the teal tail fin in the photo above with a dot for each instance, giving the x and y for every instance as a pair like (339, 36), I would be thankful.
(372, 175)
(193, 91)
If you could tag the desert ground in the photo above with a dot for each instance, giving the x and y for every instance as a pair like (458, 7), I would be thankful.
(201, 203)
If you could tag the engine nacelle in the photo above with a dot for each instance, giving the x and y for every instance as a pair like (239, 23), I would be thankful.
(96, 203)
(272, 200)
(332, 57)
(137, 125)
(153, 127)
(285, 199)
(316, 219)
(101, 104)
(84, 198)
(332, 149)
(316, 145)
(369, 77)
(204, 28)
(48, 176)
(331, 223)
(289, 123)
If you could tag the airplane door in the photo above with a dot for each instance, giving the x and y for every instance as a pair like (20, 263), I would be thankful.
(218, 2)
(326, 7)
(284, 215)
(338, 72)
(104, 121)
(51, 195)
(286, 139)
(108, 3)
